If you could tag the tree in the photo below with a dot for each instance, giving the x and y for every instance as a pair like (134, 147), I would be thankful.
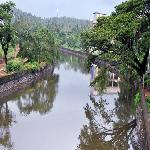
(6, 30)
(66, 30)
(124, 36)
(38, 45)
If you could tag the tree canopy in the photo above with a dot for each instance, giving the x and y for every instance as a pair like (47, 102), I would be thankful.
(6, 30)
(38, 45)
(66, 30)
(124, 36)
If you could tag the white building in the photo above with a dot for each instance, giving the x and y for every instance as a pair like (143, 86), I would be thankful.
(1, 22)
(96, 16)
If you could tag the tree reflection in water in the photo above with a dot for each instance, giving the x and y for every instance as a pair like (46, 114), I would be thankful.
(75, 63)
(6, 121)
(40, 98)
(110, 129)
(99, 134)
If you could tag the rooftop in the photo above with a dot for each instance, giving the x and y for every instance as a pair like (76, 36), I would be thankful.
(98, 13)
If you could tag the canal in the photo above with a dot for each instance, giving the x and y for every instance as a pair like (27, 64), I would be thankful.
(62, 112)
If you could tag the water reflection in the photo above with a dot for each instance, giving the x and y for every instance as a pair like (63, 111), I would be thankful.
(110, 116)
(104, 133)
(111, 122)
(40, 97)
(75, 63)
(6, 121)
(103, 80)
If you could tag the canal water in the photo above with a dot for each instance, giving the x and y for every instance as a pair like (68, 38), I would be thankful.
(62, 112)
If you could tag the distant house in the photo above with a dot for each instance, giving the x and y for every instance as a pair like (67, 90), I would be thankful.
(96, 16)
(1, 21)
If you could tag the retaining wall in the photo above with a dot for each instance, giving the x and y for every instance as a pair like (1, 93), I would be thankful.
(17, 81)
(72, 52)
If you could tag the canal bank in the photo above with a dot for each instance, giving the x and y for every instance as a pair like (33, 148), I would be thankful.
(15, 82)
(20, 80)
(73, 52)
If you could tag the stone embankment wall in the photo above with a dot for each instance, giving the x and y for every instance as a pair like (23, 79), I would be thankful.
(72, 52)
(18, 81)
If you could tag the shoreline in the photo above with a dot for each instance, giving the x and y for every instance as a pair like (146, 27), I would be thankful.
(73, 52)
(20, 80)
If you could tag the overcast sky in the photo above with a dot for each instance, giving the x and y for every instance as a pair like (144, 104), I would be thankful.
(82, 9)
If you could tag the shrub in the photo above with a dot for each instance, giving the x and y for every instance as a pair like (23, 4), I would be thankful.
(31, 66)
(1, 53)
(14, 65)
(137, 99)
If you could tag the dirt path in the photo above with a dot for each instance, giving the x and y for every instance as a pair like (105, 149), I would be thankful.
(2, 68)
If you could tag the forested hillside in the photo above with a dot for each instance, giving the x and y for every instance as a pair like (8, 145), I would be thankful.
(66, 30)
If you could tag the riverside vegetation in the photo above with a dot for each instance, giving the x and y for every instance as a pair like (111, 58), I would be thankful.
(124, 38)
(30, 42)
(26, 49)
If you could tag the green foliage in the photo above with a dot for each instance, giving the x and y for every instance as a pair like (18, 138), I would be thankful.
(1, 53)
(6, 30)
(10, 52)
(34, 66)
(14, 65)
(38, 45)
(18, 65)
(101, 81)
(147, 80)
(137, 99)
(66, 30)
(123, 36)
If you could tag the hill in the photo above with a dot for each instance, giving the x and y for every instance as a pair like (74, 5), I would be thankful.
(65, 29)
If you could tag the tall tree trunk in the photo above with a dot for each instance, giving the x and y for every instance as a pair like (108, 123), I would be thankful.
(5, 49)
(143, 68)
(5, 57)
(145, 115)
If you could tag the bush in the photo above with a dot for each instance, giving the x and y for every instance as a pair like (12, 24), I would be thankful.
(11, 52)
(137, 99)
(14, 65)
(31, 66)
(1, 53)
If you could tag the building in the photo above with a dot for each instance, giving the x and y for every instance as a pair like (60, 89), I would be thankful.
(96, 16)
(1, 21)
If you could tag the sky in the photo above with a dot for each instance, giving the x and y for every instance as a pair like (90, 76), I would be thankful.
(81, 9)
